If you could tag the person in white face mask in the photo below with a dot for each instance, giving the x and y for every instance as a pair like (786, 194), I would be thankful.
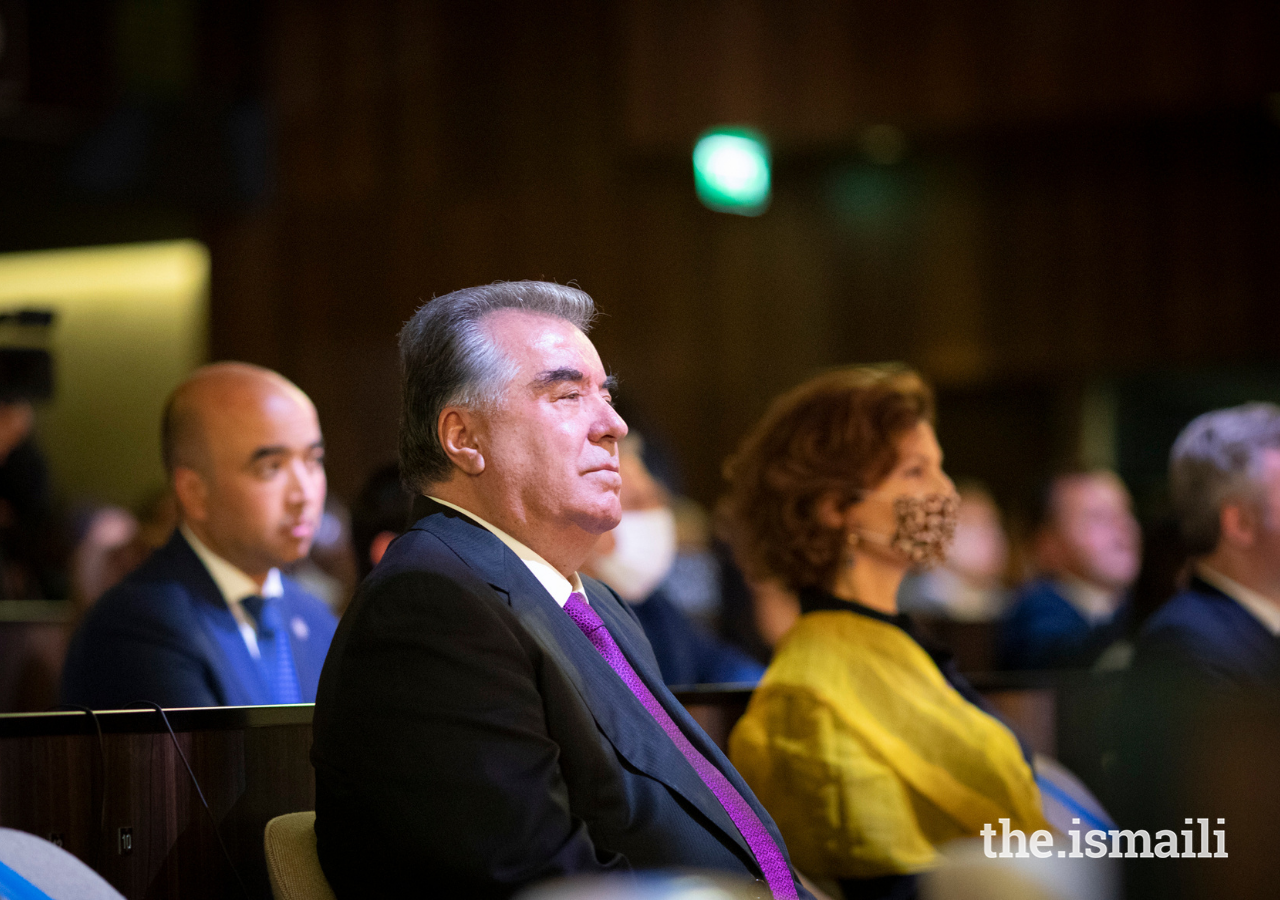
(636, 558)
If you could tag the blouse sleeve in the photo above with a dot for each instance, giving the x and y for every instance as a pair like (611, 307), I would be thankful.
(842, 809)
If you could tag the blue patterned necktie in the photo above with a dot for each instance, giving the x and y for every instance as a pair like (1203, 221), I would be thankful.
(275, 655)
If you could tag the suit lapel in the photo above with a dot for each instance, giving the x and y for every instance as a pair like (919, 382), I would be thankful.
(239, 675)
(615, 709)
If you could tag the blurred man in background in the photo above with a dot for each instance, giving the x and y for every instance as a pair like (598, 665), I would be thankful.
(209, 620)
(1224, 479)
(1087, 550)
(32, 557)
(1202, 689)
(636, 558)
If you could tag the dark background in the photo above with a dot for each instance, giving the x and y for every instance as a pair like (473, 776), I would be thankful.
(1076, 240)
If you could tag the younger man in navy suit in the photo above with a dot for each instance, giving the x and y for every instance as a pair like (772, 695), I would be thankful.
(209, 620)
(1087, 549)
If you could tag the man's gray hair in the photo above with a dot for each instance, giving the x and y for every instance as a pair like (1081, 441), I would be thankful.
(1216, 459)
(447, 358)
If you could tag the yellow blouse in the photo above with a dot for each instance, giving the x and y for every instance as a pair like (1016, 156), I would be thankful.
(867, 758)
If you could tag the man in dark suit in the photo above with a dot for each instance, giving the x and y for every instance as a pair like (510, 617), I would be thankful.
(1200, 700)
(1087, 550)
(487, 717)
(208, 620)
(1224, 479)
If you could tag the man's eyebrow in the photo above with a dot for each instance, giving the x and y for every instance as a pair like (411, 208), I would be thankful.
(264, 452)
(610, 384)
(279, 450)
(557, 376)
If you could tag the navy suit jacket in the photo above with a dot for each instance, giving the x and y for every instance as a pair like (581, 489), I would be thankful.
(1042, 630)
(686, 652)
(166, 634)
(469, 739)
(1204, 635)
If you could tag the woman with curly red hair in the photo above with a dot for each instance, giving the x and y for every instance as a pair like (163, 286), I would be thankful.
(868, 751)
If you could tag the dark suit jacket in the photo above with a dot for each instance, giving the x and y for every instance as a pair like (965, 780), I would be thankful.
(1042, 630)
(1204, 673)
(1204, 635)
(686, 652)
(469, 739)
(165, 634)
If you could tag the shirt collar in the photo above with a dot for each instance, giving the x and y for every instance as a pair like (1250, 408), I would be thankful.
(1258, 605)
(233, 584)
(556, 584)
(1095, 604)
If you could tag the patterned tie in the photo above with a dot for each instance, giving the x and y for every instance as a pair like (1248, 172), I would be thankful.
(770, 859)
(275, 655)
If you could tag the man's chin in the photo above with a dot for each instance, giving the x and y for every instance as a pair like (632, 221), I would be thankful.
(598, 522)
(292, 553)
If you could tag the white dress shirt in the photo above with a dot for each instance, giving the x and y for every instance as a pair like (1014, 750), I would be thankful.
(556, 584)
(1097, 605)
(1258, 605)
(235, 585)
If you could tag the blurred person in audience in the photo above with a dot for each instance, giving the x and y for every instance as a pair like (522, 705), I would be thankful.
(33, 551)
(489, 717)
(635, 560)
(693, 584)
(1087, 551)
(114, 542)
(867, 746)
(969, 586)
(1222, 631)
(208, 620)
(693, 581)
(1204, 687)
(98, 560)
(380, 515)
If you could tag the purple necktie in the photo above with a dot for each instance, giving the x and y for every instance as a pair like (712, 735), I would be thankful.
(776, 871)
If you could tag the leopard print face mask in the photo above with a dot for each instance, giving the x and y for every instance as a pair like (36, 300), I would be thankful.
(926, 528)
(925, 531)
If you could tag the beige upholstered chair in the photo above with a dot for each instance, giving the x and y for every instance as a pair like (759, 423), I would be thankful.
(292, 864)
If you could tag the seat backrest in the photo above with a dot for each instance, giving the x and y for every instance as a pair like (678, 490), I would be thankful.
(51, 869)
(292, 863)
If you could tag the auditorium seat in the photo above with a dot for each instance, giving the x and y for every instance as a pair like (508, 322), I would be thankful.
(292, 863)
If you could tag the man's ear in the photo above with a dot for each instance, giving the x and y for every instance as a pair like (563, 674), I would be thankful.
(1238, 523)
(192, 493)
(460, 435)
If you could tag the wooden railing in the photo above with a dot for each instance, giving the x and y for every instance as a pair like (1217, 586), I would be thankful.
(113, 788)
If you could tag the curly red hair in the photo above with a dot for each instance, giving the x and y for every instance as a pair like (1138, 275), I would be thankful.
(835, 434)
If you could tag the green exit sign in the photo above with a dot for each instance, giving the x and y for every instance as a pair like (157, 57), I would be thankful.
(731, 171)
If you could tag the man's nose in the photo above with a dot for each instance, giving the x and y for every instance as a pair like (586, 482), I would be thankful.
(302, 484)
(608, 425)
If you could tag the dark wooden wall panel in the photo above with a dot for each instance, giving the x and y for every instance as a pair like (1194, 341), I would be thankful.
(52, 784)
(1087, 188)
